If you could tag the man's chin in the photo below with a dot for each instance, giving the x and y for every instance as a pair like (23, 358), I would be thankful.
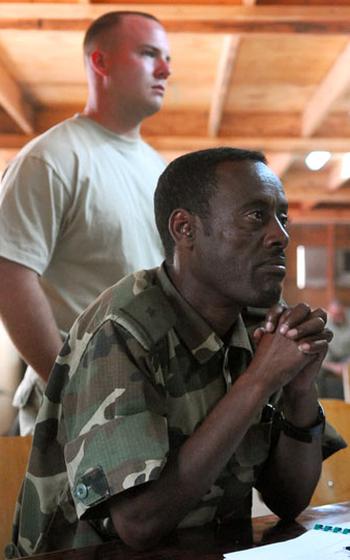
(153, 106)
(268, 297)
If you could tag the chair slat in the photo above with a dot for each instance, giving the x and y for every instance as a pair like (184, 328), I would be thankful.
(334, 484)
(14, 453)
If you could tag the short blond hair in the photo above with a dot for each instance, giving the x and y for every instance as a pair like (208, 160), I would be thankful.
(105, 22)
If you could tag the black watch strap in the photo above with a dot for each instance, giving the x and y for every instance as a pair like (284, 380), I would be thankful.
(305, 435)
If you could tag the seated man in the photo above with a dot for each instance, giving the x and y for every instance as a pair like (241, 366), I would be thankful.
(162, 411)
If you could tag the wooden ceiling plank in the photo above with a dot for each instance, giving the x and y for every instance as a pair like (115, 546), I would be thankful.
(316, 195)
(319, 216)
(222, 82)
(308, 205)
(327, 179)
(267, 144)
(11, 100)
(279, 162)
(14, 141)
(183, 144)
(5, 157)
(185, 18)
(193, 121)
(335, 179)
(330, 89)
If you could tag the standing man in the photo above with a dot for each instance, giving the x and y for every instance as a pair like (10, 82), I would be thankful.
(76, 203)
(162, 411)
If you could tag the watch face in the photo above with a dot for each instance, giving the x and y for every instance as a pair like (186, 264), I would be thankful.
(267, 414)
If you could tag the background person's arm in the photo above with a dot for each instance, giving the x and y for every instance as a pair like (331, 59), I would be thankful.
(335, 367)
(27, 316)
(11, 373)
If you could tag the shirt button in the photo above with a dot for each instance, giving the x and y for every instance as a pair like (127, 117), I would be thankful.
(81, 491)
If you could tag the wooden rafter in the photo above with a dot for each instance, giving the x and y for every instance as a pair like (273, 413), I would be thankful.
(222, 83)
(186, 18)
(11, 100)
(265, 127)
(279, 162)
(249, 2)
(328, 179)
(308, 193)
(317, 216)
(307, 205)
(267, 144)
(331, 87)
(335, 178)
(182, 144)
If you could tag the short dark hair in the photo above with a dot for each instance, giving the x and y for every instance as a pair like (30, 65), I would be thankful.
(103, 24)
(189, 182)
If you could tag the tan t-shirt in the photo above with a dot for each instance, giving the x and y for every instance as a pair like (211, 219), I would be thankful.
(77, 207)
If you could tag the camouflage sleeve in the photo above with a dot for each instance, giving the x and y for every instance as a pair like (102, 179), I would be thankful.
(115, 419)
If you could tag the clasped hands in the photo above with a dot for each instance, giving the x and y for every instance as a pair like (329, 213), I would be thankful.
(293, 340)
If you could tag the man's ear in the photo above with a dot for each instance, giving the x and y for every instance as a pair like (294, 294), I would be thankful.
(182, 227)
(99, 63)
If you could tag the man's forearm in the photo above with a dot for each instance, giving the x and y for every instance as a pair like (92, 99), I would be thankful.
(152, 510)
(289, 479)
(146, 513)
(28, 318)
(143, 515)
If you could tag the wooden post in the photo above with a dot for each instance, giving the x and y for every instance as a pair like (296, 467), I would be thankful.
(330, 288)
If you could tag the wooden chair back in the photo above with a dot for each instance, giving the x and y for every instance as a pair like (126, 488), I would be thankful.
(14, 454)
(334, 484)
(346, 382)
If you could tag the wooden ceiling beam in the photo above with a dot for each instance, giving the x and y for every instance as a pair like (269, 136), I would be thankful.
(335, 175)
(267, 144)
(249, 2)
(308, 205)
(306, 193)
(11, 100)
(184, 18)
(5, 157)
(14, 141)
(193, 122)
(183, 144)
(326, 179)
(319, 216)
(222, 83)
(279, 162)
(331, 88)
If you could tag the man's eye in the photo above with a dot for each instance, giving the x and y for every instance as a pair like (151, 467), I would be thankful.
(149, 52)
(257, 215)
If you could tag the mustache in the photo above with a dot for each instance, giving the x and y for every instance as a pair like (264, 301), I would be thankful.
(275, 257)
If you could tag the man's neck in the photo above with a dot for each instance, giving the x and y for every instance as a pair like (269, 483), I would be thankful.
(115, 124)
(219, 316)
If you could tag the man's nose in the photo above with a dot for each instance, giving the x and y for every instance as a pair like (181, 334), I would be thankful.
(276, 233)
(162, 69)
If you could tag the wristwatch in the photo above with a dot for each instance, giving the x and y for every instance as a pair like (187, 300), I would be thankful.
(305, 435)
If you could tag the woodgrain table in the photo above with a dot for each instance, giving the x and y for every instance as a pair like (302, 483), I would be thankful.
(210, 543)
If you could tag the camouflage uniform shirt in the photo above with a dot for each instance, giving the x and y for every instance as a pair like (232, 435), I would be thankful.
(139, 371)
